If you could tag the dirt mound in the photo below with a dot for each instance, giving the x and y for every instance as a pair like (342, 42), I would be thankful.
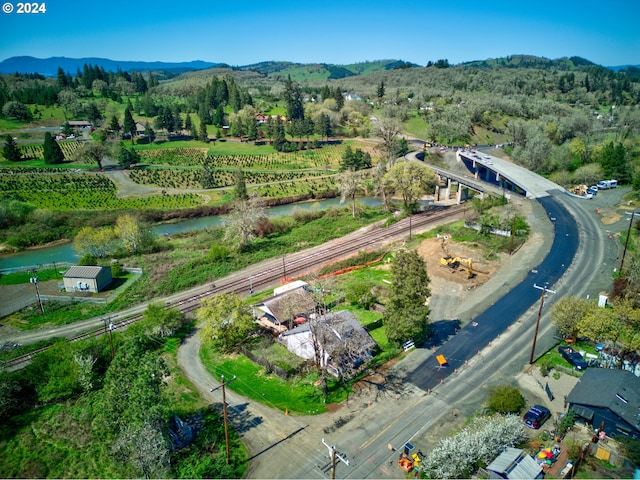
(431, 250)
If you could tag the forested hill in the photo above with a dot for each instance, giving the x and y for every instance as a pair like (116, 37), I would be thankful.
(542, 63)
(49, 66)
(324, 71)
(299, 72)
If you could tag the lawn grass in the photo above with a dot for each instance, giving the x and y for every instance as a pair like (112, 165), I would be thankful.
(416, 126)
(299, 396)
(18, 278)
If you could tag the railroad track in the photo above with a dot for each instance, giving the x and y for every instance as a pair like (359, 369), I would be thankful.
(292, 265)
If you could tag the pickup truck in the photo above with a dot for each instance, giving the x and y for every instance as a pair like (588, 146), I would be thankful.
(574, 358)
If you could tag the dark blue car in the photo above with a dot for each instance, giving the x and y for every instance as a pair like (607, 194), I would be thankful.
(536, 416)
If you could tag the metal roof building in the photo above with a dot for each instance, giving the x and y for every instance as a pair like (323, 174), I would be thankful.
(514, 463)
(86, 279)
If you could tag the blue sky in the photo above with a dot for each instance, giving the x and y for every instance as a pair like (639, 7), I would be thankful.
(241, 32)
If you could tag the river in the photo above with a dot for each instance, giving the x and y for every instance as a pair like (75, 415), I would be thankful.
(64, 253)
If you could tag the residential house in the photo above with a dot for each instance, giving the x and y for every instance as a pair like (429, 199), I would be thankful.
(608, 397)
(79, 123)
(514, 463)
(86, 279)
(345, 345)
(280, 312)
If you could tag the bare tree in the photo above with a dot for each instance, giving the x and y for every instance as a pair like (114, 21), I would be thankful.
(241, 222)
(388, 129)
(350, 182)
(145, 448)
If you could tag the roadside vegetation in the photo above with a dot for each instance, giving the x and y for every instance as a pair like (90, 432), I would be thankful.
(114, 403)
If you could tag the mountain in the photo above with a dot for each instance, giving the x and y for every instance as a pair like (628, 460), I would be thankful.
(49, 66)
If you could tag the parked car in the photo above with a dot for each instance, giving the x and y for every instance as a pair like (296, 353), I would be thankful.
(592, 191)
(536, 416)
(574, 358)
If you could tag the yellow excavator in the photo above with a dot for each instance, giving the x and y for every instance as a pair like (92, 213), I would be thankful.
(454, 262)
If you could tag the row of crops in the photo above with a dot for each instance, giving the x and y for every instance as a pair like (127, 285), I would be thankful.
(327, 157)
(192, 178)
(314, 187)
(85, 192)
(174, 156)
(36, 151)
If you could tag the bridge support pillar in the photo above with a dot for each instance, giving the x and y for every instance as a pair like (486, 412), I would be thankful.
(463, 194)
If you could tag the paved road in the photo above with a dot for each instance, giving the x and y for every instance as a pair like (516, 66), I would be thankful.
(497, 318)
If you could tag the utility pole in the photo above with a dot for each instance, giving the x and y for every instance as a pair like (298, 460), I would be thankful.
(513, 232)
(535, 335)
(111, 327)
(409, 226)
(34, 280)
(334, 455)
(224, 413)
(626, 243)
(284, 270)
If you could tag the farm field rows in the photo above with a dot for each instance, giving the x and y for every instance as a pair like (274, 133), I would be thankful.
(93, 191)
(328, 157)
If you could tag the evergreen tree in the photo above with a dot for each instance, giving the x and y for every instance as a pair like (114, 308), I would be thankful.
(293, 97)
(347, 159)
(149, 106)
(66, 128)
(240, 189)
(277, 134)
(202, 132)
(323, 127)
(129, 124)
(127, 156)
(325, 93)
(188, 125)
(380, 91)
(208, 175)
(218, 116)
(252, 131)
(52, 151)
(614, 162)
(337, 95)
(148, 131)
(11, 151)
(114, 125)
(406, 314)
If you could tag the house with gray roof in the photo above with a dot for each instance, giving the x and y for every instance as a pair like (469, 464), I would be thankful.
(86, 278)
(609, 396)
(344, 344)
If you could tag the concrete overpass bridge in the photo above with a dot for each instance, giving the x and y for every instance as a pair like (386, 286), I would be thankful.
(486, 174)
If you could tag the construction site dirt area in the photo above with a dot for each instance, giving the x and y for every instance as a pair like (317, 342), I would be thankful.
(457, 269)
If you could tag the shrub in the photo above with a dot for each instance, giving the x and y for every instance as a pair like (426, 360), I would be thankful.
(505, 399)
(264, 227)
(362, 294)
(116, 269)
(565, 423)
(87, 260)
(545, 366)
(218, 253)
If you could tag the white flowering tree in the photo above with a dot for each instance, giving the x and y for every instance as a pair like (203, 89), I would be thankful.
(479, 442)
